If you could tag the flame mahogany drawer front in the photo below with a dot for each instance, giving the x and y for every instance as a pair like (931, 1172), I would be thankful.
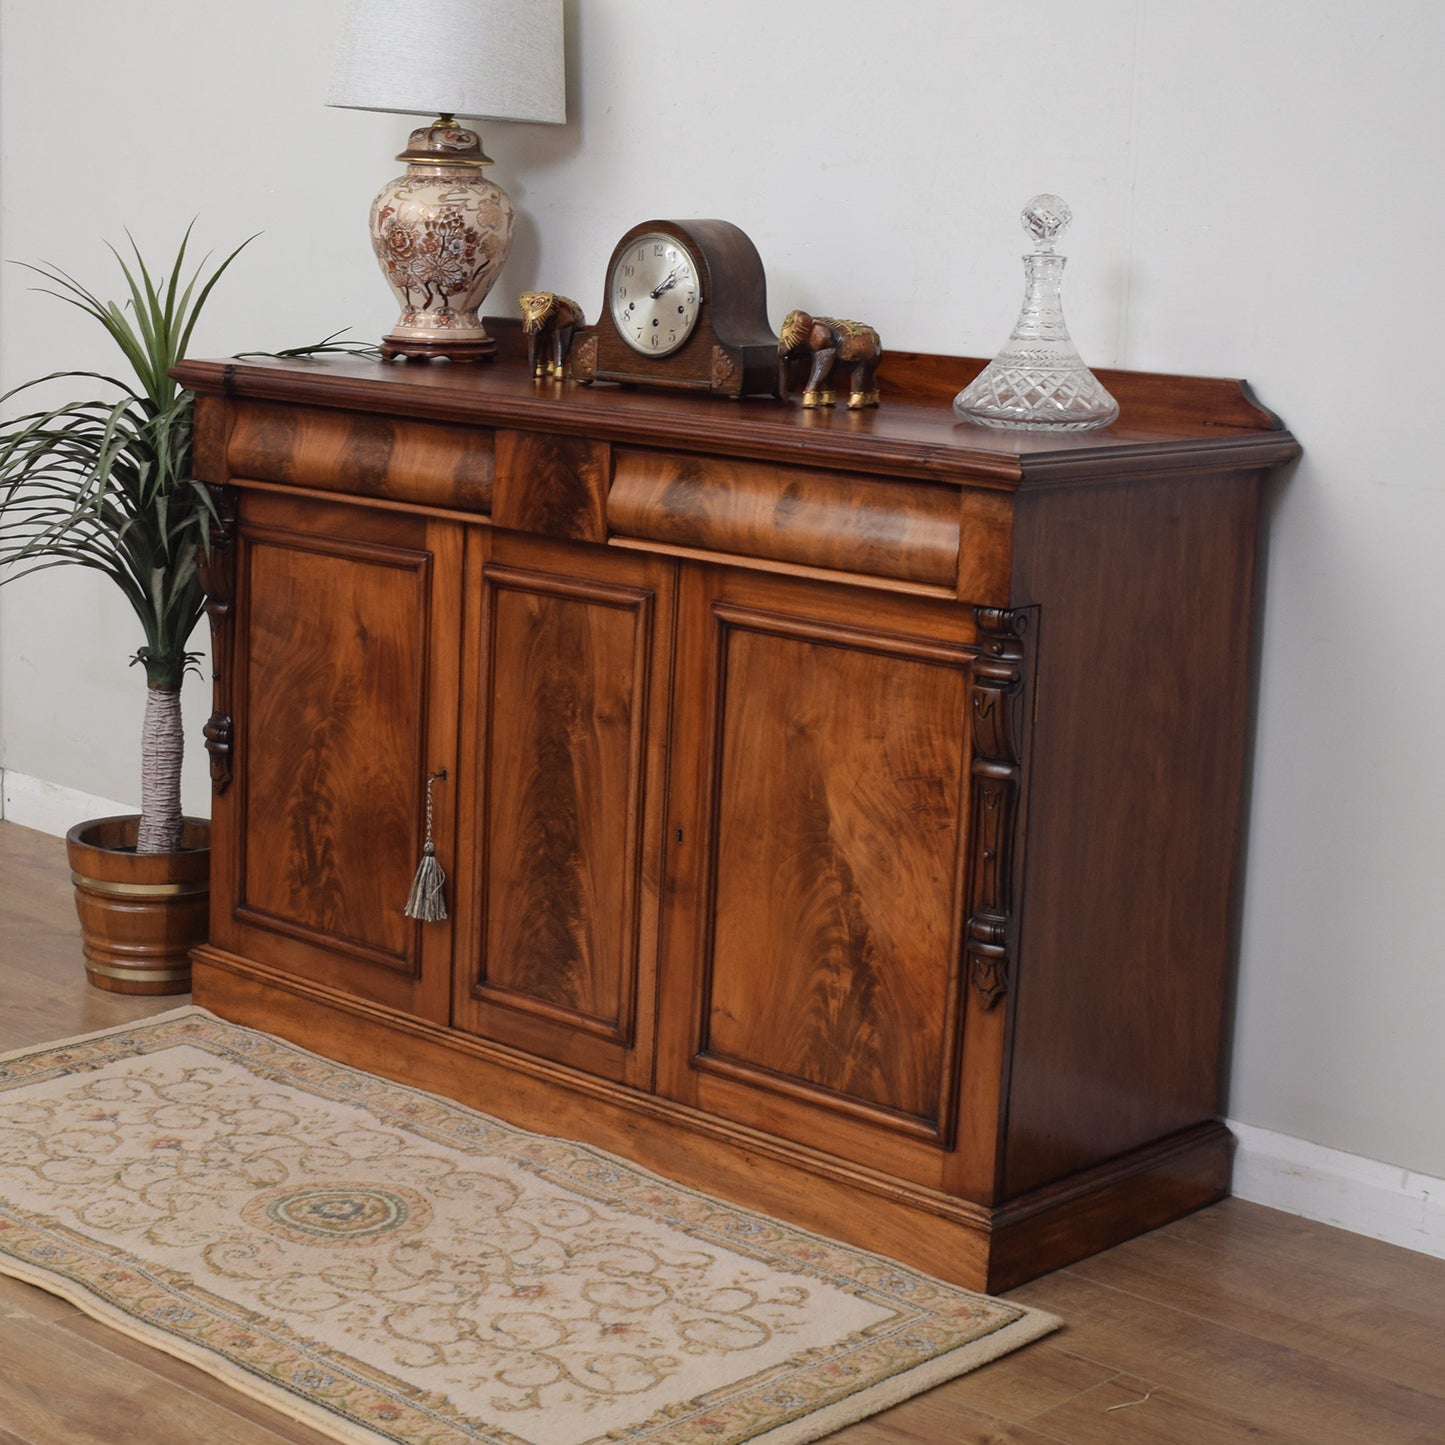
(840, 810)
(907, 531)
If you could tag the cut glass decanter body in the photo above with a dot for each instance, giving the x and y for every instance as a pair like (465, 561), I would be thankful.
(1038, 382)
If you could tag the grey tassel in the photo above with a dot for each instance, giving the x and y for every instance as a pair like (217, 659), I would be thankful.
(425, 901)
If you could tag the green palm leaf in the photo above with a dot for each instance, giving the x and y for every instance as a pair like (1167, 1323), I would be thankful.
(105, 482)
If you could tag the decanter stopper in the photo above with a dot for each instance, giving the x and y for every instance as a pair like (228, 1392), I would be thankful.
(1038, 382)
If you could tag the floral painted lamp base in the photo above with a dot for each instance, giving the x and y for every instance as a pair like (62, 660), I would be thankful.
(441, 232)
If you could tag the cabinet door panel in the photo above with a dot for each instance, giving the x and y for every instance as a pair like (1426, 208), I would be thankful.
(836, 857)
(572, 709)
(339, 722)
(821, 899)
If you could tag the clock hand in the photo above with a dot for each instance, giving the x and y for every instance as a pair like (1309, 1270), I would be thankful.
(667, 285)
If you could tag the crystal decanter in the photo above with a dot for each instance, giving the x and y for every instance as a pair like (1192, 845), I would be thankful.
(1038, 382)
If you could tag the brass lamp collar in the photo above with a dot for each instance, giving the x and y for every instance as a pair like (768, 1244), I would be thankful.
(445, 143)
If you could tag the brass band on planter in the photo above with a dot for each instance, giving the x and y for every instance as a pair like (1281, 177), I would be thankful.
(142, 890)
(140, 975)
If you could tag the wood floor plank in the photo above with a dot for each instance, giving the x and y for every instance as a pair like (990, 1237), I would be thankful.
(59, 1390)
(21, 1301)
(956, 1425)
(1127, 1411)
(38, 860)
(30, 1024)
(1356, 1264)
(1012, 1394)
(1270, 1385)
(44, 994)
(1027, 1384)
(195, 1381)
(1276, 1299)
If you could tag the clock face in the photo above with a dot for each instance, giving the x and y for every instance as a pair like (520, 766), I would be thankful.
(654, 293)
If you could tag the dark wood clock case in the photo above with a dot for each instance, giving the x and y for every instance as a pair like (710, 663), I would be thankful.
(732, 351)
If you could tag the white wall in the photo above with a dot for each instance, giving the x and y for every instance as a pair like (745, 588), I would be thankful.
(1258, 193)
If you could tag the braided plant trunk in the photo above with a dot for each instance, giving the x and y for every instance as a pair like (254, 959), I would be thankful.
(162, 735)
(162, 748)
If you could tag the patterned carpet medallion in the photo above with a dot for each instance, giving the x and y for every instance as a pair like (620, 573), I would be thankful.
(387, 1266)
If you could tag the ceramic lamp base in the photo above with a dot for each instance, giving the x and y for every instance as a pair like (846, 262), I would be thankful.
(441, 232)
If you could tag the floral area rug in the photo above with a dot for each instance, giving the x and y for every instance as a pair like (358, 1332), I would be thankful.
(385, 1265)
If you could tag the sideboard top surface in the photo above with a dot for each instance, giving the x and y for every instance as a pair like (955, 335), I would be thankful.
(1166, 423)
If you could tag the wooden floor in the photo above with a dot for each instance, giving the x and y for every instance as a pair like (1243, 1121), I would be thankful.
(1237, 1324)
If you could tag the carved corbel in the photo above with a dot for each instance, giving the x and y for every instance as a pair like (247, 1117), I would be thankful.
(999, 718)
(724, 369)
(584, 357)
(218, 575)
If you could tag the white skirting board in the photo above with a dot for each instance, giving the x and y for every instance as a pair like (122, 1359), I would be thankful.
(1361, 1195)
(50, 808)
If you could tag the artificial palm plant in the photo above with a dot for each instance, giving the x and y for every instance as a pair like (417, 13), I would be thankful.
(106, 483)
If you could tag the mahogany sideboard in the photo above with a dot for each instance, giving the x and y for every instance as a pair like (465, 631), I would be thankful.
(840, 809)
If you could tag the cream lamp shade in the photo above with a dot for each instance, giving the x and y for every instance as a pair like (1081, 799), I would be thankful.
(441, 230)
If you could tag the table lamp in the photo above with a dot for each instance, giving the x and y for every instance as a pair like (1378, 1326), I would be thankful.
(441, 231)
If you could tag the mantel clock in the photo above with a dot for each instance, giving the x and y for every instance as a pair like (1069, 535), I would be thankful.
(686, 305)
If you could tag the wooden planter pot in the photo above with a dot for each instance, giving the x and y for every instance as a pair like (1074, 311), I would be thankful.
(140, 914)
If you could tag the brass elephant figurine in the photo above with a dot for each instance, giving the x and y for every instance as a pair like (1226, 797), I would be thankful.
(549, 322)
(829, 341)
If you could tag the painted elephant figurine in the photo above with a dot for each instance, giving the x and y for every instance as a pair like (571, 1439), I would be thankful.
(549, 322)
(828, 341)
